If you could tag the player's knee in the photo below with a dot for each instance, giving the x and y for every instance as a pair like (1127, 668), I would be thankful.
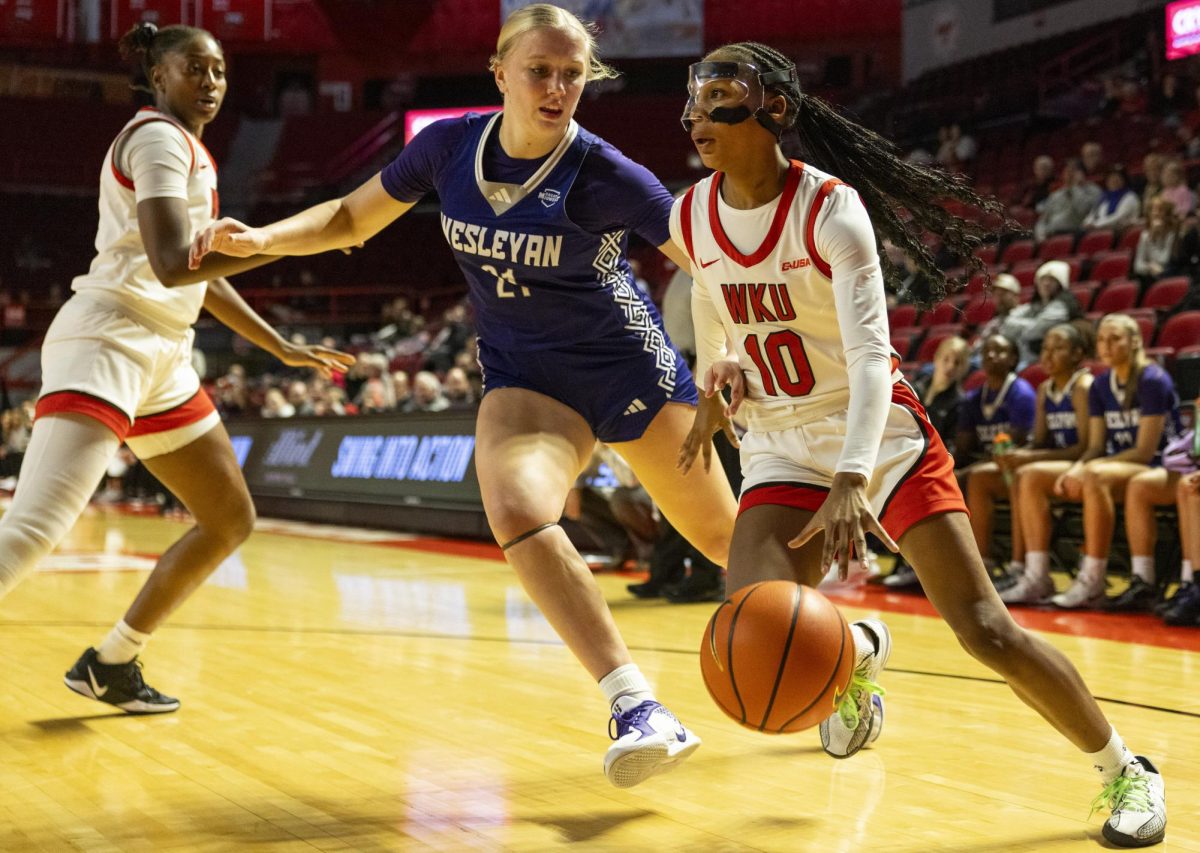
(242, 524)
(989, 635)
(22, 544)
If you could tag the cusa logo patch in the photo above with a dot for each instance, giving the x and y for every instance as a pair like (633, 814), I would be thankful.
(548, 197)
(799, 263)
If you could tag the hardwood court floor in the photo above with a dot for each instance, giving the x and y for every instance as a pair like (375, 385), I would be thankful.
(351, 695)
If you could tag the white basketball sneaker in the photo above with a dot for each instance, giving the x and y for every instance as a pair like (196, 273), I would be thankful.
(1028, 590)
(1139, 806)
(858, 720)
(1085, 593)
(648, 739)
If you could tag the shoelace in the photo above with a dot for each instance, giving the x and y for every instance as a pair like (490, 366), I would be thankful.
(1124, 792)
(848, 706)
(629, 718)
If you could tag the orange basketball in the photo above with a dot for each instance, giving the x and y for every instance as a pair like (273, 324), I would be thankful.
(777, 656)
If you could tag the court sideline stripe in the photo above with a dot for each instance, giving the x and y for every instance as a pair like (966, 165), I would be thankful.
(418, 635)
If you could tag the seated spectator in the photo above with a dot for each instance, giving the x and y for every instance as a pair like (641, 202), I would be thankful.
(1006, 296)
(1118, 207)
(955, 148)
(1052, 303)
(1176, 190)
(1059, 438)
(1091, 158)
(1170, 100)
(457, 388)
(275, 405)
(427, 394)
(375, 397)
(940, 390)
(1064, 210)
(1149, 184)
(1036, 191)
(449, 340)
(298, 396)
(401, 390)
(1159, 241)
(1133, 413)
(1187, 142)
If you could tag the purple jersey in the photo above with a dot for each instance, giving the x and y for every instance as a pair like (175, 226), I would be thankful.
(549, 271)
(990, 412)
(1155, 395)
(1060, 414)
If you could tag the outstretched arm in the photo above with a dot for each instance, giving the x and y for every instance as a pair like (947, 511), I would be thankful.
(337, 224)
(224, 303)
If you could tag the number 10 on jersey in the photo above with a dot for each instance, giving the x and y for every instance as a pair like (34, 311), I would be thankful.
(506, 283)
(782, 363)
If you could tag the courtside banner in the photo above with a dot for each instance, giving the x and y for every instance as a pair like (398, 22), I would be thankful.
(1183, 28)
(417, 460)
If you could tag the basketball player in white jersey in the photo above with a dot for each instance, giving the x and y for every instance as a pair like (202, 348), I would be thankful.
(116, 363)
(786, 269)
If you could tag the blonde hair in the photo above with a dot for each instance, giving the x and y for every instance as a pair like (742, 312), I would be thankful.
(545, 16)
(961, 350)
(1140, 360)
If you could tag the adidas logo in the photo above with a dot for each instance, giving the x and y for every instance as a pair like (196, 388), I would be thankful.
(500, 195)
(635, 407)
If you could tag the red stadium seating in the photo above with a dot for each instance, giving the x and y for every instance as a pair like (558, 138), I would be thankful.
(903, 315)
(901, 344)
(944, 312)
(1180, 331)
(1085, 292)
(1018, 250)
(1110, 265)
(1034, 374)
(1118, 296)
(933, 339)
(975, 380)
(1095, 241)
(1129, 239)
(1166, 292)
(1058, 246)
(987, 254)
(979, 310)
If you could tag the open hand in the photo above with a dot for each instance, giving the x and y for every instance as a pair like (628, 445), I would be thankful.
(228, 237)
(711, 417)
(846, 517)
(324, 360)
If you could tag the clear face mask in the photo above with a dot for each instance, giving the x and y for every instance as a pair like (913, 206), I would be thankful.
(730, 93)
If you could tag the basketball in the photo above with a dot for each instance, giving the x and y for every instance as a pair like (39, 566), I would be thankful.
(777, 656)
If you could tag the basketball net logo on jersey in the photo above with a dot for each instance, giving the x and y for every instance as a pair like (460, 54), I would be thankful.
(764, 273)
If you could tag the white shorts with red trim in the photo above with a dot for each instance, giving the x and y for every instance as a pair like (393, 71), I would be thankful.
(913, 477)
(100, 363)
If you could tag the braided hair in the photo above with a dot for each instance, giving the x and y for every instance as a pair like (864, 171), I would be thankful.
(147, 44)
(902, 198)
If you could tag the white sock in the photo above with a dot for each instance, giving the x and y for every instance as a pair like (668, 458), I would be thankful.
(122, 644)
(1037, 565)
(1016, 567)
(1143, 567)
(625, 688)
(1186, 572)
(1112, 759)
(1093, 570)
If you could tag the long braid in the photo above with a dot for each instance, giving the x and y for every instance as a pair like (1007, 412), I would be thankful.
(902, 198)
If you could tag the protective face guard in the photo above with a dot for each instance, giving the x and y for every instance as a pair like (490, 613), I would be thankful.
(730, 93)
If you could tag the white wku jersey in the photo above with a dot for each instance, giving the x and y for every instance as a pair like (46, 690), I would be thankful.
(120, 275)
(773, 291)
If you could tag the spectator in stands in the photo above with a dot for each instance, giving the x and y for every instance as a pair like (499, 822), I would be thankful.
(375, 397)
(1175, 188)
(1006, 296)
(1039, 188)
(1133, 413)
(449, 340)
(1064, 210)
(1052, 303)
(1159, 241)
(1149, 184)
(458, 391)
(298, 395)
(1091, 158)
(1170, 100)
(1059, 438)
(955, 149)
(401, 390)
(1118, 207)
(940, 390)
(427, 394)
(1187, 143)
(276, 405)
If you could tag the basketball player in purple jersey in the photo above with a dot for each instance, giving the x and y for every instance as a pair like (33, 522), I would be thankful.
(838, 443)
(538, 212)
(1059, 438)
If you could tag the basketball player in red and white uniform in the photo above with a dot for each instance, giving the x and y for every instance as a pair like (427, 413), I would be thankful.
(116, 363)
(789, 308)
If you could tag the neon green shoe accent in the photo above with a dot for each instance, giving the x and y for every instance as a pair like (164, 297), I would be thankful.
(1132, 792)
(847, 708)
